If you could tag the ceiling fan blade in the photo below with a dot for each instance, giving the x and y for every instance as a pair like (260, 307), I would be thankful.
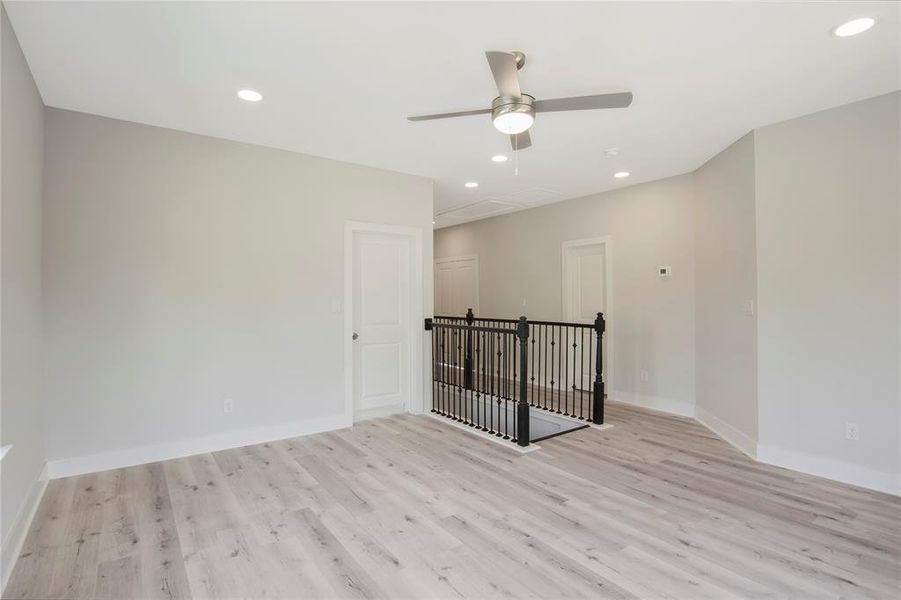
(620, 100)
(506, 75)
(450, 115)
(521, 141)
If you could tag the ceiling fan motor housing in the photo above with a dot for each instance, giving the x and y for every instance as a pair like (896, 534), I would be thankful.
(518, 113)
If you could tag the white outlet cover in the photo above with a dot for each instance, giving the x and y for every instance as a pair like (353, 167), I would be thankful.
(228, 405)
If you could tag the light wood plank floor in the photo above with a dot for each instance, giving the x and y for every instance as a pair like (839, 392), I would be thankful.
(407, 507)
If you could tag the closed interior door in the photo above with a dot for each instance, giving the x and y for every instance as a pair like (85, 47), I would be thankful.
(381, 322)
(456, 285)
(585, 286)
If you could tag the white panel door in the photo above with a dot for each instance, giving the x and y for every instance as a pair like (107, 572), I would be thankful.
(585, 294)
(456, 285)
(381, 298)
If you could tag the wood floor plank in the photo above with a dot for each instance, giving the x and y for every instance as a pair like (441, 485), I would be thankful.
(408, 507)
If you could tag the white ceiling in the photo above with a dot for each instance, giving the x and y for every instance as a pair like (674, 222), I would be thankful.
(340, 78)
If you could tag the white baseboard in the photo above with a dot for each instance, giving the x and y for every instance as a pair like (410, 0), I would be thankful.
(12, 545)
(129, 457)
(836, 470)
(737, 438)
(669, 405)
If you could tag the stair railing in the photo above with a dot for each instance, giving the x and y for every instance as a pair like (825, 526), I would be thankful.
(480, 375)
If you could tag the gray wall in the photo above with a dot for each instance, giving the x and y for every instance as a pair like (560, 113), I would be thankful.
(725, 282)
(652, 319)
(827, 242)
(181, 270)
(22, 132)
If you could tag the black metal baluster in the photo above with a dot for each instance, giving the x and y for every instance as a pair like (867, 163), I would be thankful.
(531, 359)
(559, 366)
(507, 379)
(445, 372)
(467, 361)
(436, 369)
(571, 404)
(458, 400)
(442, 367)
(551, 359)
(544, 354)
(565, 389)
(493, 386)
(590, 374)
(555, 397)
(459, 376)
(500, 383)
(485, 396)
(460, 389)
(481, 395)
(469, 368)
(560, 369)
(581, 372)
(515, 403)
(454, 385)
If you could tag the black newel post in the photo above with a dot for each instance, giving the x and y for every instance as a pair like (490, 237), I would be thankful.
(597, 416)
(467, 360)
(522, 407)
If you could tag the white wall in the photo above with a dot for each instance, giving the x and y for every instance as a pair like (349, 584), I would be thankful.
(21, 420)
(652, 319)
(827, 242)
(181, 270)
(725, 284)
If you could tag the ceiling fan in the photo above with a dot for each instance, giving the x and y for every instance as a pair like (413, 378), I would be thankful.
(513, 112)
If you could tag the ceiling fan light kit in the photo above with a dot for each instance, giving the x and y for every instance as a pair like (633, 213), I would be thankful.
(513, 115)
(513, 112)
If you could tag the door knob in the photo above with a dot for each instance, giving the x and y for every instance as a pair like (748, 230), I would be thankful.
(355, 336)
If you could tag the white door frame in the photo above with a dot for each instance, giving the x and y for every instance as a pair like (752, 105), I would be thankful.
(414, 234)
(448, 259)
(607, 242)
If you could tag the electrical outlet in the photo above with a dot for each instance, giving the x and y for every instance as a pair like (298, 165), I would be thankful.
(228, 405)
(852, 431)
(644, 375)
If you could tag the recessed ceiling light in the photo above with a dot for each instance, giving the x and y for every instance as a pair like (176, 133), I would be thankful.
(854, 27)
(472, 184)
(250, 95)
(621, 174)
(611, 152)
(499, 158)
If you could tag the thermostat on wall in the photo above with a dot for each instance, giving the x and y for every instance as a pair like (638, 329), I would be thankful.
(664, 271)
